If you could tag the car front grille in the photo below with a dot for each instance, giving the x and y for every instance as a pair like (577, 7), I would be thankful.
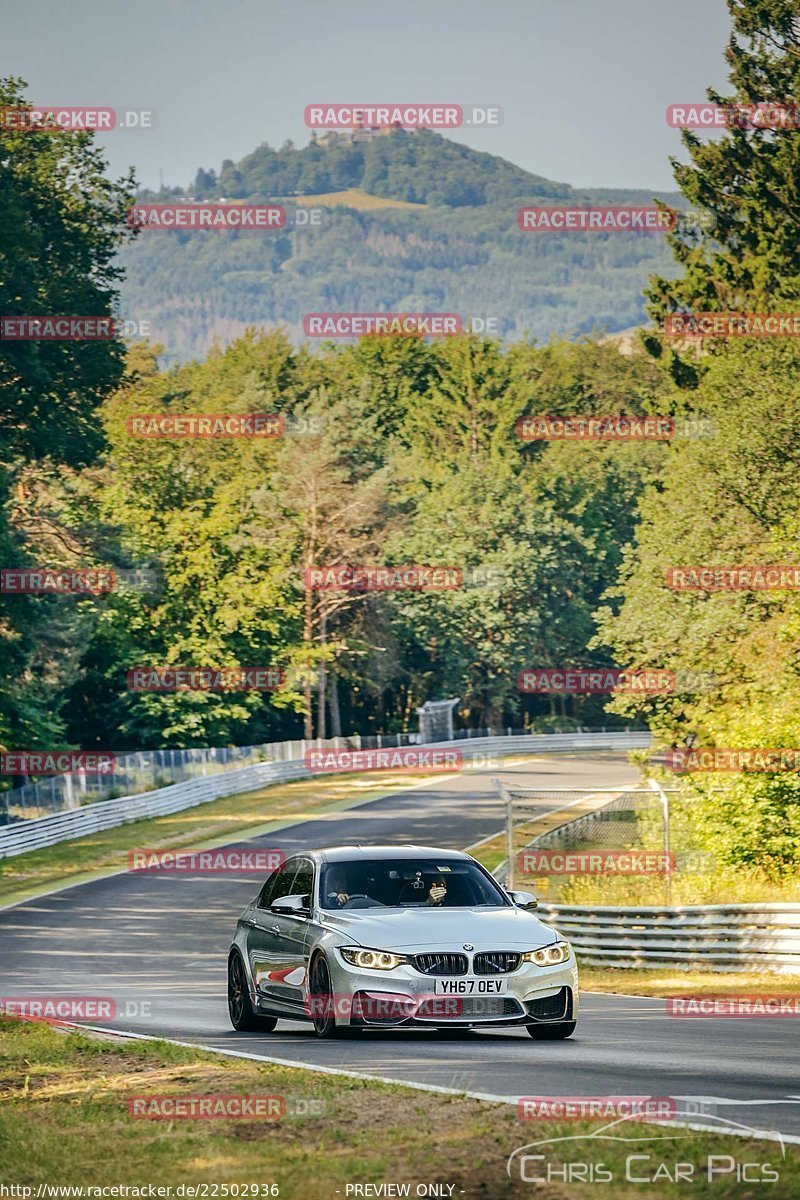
(443, 1009)
(441, 964)
(495, 962)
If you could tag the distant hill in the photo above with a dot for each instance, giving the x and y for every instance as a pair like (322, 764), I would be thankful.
(462, 252)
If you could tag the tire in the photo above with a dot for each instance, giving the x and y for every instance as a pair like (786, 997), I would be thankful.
(319, 982)
(243, 1017)
(552, 1033)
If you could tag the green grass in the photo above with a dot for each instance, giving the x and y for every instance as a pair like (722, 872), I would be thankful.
(64, 1120)
(723, 884)
(671, 982)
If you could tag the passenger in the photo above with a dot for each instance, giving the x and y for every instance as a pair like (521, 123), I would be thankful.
(413, 892)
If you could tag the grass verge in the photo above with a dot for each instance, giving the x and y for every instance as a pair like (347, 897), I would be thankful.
(687, 983)
(64, 1120)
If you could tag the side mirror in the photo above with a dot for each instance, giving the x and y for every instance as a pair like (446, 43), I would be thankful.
(291, 906)
(524, 899)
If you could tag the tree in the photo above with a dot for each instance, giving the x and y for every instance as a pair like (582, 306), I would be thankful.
(334, 498)
(728, 499)
(533, 528)
(748, 180)
(205, 184)
(63, 223)
(194, 508)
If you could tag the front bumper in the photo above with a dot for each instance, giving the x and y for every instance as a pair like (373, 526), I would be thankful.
(406, 997)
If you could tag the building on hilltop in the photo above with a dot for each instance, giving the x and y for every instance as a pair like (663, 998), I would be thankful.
(359, 133)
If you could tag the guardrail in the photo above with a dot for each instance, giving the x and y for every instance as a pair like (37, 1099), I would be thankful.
(107, 814)
(148, 770)
(38, 832)
(549, 742)
(727, 937)
(138, 771)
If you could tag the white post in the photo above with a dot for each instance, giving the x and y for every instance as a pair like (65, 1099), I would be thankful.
(505, 795)
(656, 786)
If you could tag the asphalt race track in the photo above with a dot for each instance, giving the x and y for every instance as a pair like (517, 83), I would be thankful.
(157, 945)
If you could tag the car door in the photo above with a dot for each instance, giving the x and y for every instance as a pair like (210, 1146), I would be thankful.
(266, 948)
(293, 934)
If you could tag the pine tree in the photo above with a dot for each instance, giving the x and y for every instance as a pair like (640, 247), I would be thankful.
(747, 182)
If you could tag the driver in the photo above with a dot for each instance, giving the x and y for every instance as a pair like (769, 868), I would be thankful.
(336, 893)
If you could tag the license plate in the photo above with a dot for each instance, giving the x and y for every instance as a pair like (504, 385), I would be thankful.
(470, 987)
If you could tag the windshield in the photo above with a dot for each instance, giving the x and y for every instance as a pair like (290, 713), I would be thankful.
(409, 883)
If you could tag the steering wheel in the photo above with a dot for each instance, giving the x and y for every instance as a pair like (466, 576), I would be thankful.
(349, 903)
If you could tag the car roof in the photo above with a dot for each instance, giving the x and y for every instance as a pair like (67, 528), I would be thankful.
(371, 853)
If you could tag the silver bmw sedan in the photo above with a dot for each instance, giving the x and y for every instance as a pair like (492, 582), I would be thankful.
(383, 936)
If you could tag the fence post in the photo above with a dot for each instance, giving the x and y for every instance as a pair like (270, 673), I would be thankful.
(656, 786)
(506, 797)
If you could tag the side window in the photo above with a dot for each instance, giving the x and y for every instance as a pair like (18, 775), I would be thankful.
(303, 882)
(278, 884)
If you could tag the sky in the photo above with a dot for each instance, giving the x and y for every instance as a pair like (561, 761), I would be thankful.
(583, 84)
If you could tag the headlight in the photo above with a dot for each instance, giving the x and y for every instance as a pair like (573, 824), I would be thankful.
(548, 955)
(373, 960)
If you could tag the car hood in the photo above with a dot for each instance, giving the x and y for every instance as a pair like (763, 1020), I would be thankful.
(409, 928)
